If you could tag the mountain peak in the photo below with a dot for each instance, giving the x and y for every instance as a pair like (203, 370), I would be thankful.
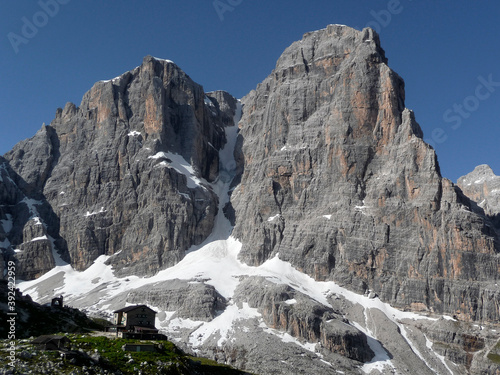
(484, 169)
(483, 187)
(334, 41)
(150, 58)
(481, 174)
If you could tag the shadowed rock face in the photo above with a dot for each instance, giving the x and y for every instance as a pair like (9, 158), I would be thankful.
(337, 179)
(28, 227)
(105, 168)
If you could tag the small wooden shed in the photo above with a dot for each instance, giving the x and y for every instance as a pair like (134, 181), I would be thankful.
(52, 342)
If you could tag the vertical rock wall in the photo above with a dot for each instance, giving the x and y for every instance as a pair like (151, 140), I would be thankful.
(337, 180)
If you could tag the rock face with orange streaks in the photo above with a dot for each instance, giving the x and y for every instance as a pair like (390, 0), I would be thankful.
(336, 179)
(105, 168)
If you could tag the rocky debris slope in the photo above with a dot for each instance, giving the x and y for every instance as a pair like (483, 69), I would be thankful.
(196, 301)
(337, 180)
(286, 309)
(126, 172)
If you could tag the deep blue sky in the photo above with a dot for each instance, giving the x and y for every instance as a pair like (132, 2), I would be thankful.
(443, 49)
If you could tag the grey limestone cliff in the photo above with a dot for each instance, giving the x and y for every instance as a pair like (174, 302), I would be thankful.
(124, 172)
(337, 180)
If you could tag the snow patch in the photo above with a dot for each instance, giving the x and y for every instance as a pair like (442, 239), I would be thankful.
(76, 284)
(184, 195)
(159, 155)
(381, 360)
(226, 155)
(165, 60)
(274, 217)
(223, 324)
(31, 203)
(88, 214)
(414, 348)
(180, 164)
(3, 168)
(362, 208)
(210, 106)
(294, 148)
(428, 344)
(177, 324)
(57, 258)
(134, 133)
(114, 80)
(287, 338)
(329, 217)
(39, 238)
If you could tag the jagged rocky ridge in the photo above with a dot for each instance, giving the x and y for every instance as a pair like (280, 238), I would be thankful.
(331, 177)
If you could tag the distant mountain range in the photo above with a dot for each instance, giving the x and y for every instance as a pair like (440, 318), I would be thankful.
(305, 228)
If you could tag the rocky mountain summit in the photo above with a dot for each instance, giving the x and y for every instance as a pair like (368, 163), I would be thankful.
(276, 233)
(483, 187)
(114, 170)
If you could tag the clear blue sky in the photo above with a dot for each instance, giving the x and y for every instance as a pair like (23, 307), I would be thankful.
(445, 50)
